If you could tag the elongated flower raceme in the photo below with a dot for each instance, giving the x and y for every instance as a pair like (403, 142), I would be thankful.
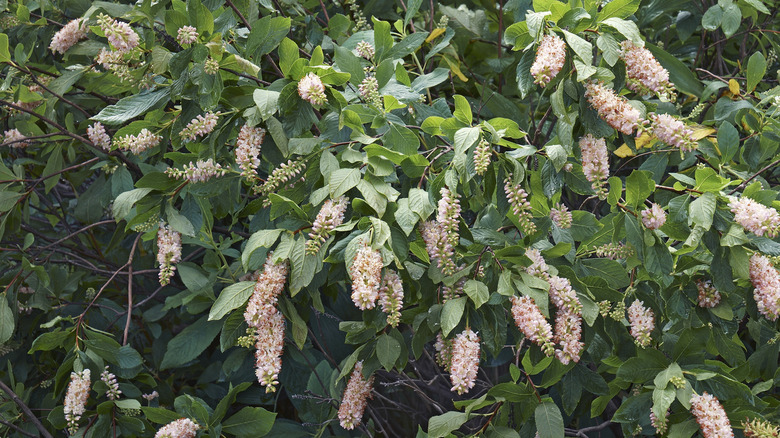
(708, 296)
(76, 399)
(369, 90)
(201, 171)
(15, 138)
(449, 214)
(443, 351)
(561, 216)
(168, 252)
(595, 162)
(465, 361)
(366, 273)
(181, 428)
(758, 428)
(654, 217)
(97, 135)
(563, 296)
(538, 267)
(186, 35)
(279, 177)
(642, 320)
(331, 215)
(568, 332)
(438, 246)
(766, 286)
(531, 322)
(391, 296)
(138, 143)
(69, 35)
(673, 132)
(312, 90)
(365, 50)
(268, 287)
(119, 34)
(355, 398)
(200, 126)
(518, 199)
(113, 392)
(660, 424)
(550, 57)
(755, 217)
(614, 251)
(711, 416)
(614, 109)
(645, 75)
(248, 149)
(482, 157)
(269, 346)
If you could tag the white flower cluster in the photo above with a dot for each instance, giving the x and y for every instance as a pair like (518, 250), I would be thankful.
(712, 419)
(531, 322)
(708, 296)
(391, 296)
(168, 252)
(201, 171)
(355, 398)
(766, 286)
(312, 90)
(113, 392)
(366, 274)
(138, 143)
(330, 216)
(645, 75)
(15, 138)
(755, 217)
(654, 217)
(248, 149)
(518, 200)
(76, 398)
(642, 320)
(186, 35)
(98, 136)
(614, 109)
(69, 35)
(465, 361)
(550, 57)
(448, 215)
(181, 428)
(200, 126)
(120, 35)
(673, 132)
(595, 162)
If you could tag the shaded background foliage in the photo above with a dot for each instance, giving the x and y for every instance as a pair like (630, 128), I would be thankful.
(78, 224)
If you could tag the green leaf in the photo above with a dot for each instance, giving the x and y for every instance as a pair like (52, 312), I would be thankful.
(342, 180)
(160, 415)
(5, 55)
(712, 19)
(190, 343)
(728, 140)
(756, 67)
(260, 239)
(231, 297)
(419, 202)
(125, 201)
(732, 18)
(477, 291)
(664, 377)
(6, 320)
(581, 47)
(610, 49)
(619, 9)
(610, 270)
(178, 222)
(442, 425)
(627, 28)
(266, 34)
(702, 210)
(549, 422)
(249, 422)
(267, 102)
(639, 186)
(288, 54)
(525, 81)
(462, 111)
(679, 73)
(387, 351)
(451, 314)
(132, 106)
(401, 139)
(465, 138)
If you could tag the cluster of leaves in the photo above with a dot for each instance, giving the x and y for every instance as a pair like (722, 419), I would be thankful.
(79, 274)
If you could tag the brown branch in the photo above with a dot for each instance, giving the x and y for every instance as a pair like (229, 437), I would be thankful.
(26, 409)
(745, 183)
(130, 288)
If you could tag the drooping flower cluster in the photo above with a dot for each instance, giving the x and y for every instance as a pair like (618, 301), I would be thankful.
(443, 348)
(712, 419)
(138, 143)
(120, 35)
(758, 428)
(279, 177)
(201, 171)
(187, 35)
(654, 217)
(181, 428)
(391, 296)
(365, 50)
(115, 63)
(200, 126)
(76, 398)
(168, 252)
(673, 132)
(561, 216)
(642, 320)
(614, 109)
(755, 217)
(531, 322)
(355, 398)
(248, 149)
(98, 136)
(482, 157)
(538, 267)
(518, 199)
(614, 251)
(69, 35)
(568, 332)
(369, 90)
(465, 361)
(268, 286)
(15, 138)
(366, 274)
(113, 392)
(660, 424)
(595, 162)
(708, 296)
(562, 294)
(766, 286)
(448, 215)
(644, 74)
(331, 215)
(438, 246)
(312, 90)
(550, 57)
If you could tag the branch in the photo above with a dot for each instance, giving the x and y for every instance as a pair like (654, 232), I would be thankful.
(38, 425)
(130, 288)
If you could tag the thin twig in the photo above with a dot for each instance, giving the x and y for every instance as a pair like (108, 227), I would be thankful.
(26, 410)
(130, 288)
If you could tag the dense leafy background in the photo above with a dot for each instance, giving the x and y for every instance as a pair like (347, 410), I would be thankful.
(78, 225)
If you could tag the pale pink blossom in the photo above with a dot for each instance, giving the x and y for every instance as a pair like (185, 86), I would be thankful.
(355, 398)
(138, 143)
(708, 296)
(98, 136)
(448, 214)
(595, 162)
(561, 216)
(645, 75)
(755, 217)
(365, 50)
(531, 322)
(69, 35)
(181, 428)
(248, 149)
(268, 287)
(186, 35)
(614, 109)
(279, 177)
(568, 332)
(391, 296)
(642, 320)
(482, 157)
(76, 399)
(269, 346)
(550, 57)
(438, 246)
(366, 274)
(563, 296)
(659, 424)
(614, 251)
(168, 252)
(113, 392)
(200, 126)
(330, 216)
(518, 200)
(673, 132)
(465, 361)
(119, 34)
(538, 267)
(766, 286)
(654, 217)
(443, 351)
(15, 138)
(312, 90)
(712, 419)
(201, 171)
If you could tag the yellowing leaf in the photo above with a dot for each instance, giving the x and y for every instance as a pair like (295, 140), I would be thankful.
(435, 34)
(734, 87)
(624, 151)
(455, 68)
(700, 132)
(645, 141)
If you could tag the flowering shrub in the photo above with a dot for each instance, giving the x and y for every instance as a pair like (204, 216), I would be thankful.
(514, 219)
